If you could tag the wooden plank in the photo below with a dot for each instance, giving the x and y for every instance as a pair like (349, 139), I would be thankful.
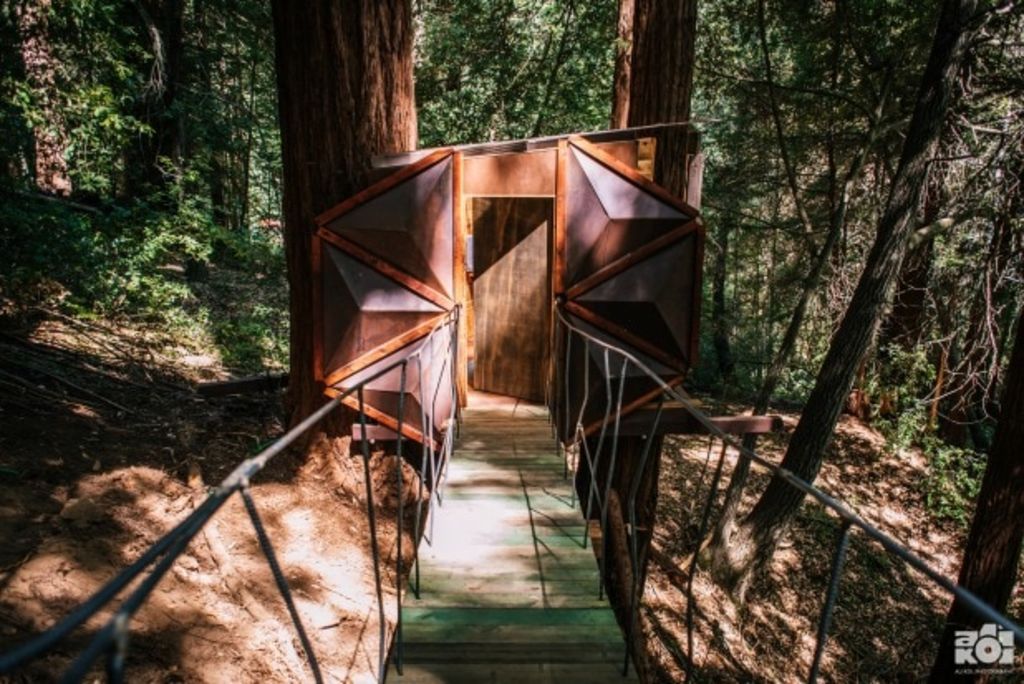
(491, 673)
(678, 421)
(460, 279)
(558, 251)
(523, 174)
(528, 617)
(507, 580)
(318, 308)
(510, 295)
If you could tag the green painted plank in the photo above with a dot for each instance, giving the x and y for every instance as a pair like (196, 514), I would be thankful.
(515, 633)
(509, 616)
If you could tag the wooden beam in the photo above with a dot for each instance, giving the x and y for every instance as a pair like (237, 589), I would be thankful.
(679, 421)
(256, 383)
(628, 338)
(381, 351)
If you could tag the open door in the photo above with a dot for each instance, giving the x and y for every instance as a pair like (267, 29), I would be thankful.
(385, 277)
(628, 271)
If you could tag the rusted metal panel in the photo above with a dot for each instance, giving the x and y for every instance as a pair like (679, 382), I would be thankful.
(385, 266)
(630, 270)
(525, 174)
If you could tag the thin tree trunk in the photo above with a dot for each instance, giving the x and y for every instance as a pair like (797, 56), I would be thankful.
(345, 94)
(719, 318)
(755, 538)
(994, 544)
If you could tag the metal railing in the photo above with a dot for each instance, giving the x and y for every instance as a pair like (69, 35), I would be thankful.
(619, 363)
(112, 639)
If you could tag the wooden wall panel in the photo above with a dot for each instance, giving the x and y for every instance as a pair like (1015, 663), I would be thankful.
(511, 295)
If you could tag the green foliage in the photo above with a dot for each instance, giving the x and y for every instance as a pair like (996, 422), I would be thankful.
(175, 208)
(502, 69)
(954, 480)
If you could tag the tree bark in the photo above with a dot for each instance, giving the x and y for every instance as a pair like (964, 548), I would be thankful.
(164, 23)
(623, 64)
(658, 72)
(345, 94)
(719, 318)
(50, 138)
(994, 544)
(754, 540)
(661, 81)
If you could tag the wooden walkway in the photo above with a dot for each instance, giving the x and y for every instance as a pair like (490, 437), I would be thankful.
(508, 593)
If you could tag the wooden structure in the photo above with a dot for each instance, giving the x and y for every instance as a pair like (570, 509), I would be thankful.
(505, 230)
(507, 592)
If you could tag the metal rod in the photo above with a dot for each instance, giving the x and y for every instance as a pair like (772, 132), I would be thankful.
(704, 520)
(838, 560)
(969, 599)
(281, 581)
(634, 488)
(399, 520)
(371, 514)
(608, 480)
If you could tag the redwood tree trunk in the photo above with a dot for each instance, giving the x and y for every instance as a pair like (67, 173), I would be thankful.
(623, 64)
(653, 83)
(661, 80)
(994, 543)
(754, 540)
(345, 93)
(50, 137)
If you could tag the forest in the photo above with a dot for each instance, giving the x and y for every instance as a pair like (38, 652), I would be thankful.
(167, 163)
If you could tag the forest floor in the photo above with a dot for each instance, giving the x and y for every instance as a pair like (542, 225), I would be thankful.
(887, 618)
(105, 446)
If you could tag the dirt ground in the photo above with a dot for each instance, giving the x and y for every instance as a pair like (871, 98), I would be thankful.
(887, 618)
(104, 446)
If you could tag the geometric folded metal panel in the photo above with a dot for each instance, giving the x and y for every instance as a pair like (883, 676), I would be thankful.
(628, 266)
(384, 267)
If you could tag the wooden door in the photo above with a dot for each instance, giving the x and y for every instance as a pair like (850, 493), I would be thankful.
(512, 294)
(384, 262)
(627, 271)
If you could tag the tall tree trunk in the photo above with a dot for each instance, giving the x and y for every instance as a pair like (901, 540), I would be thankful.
(716, 555)
(50, 136)
(623, 64)
(345, 94)
(994, 544)
(661, 81)
(755, 538)
(164, 22)
(658, 73)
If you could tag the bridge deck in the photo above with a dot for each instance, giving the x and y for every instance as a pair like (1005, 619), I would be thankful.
(508, 593)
